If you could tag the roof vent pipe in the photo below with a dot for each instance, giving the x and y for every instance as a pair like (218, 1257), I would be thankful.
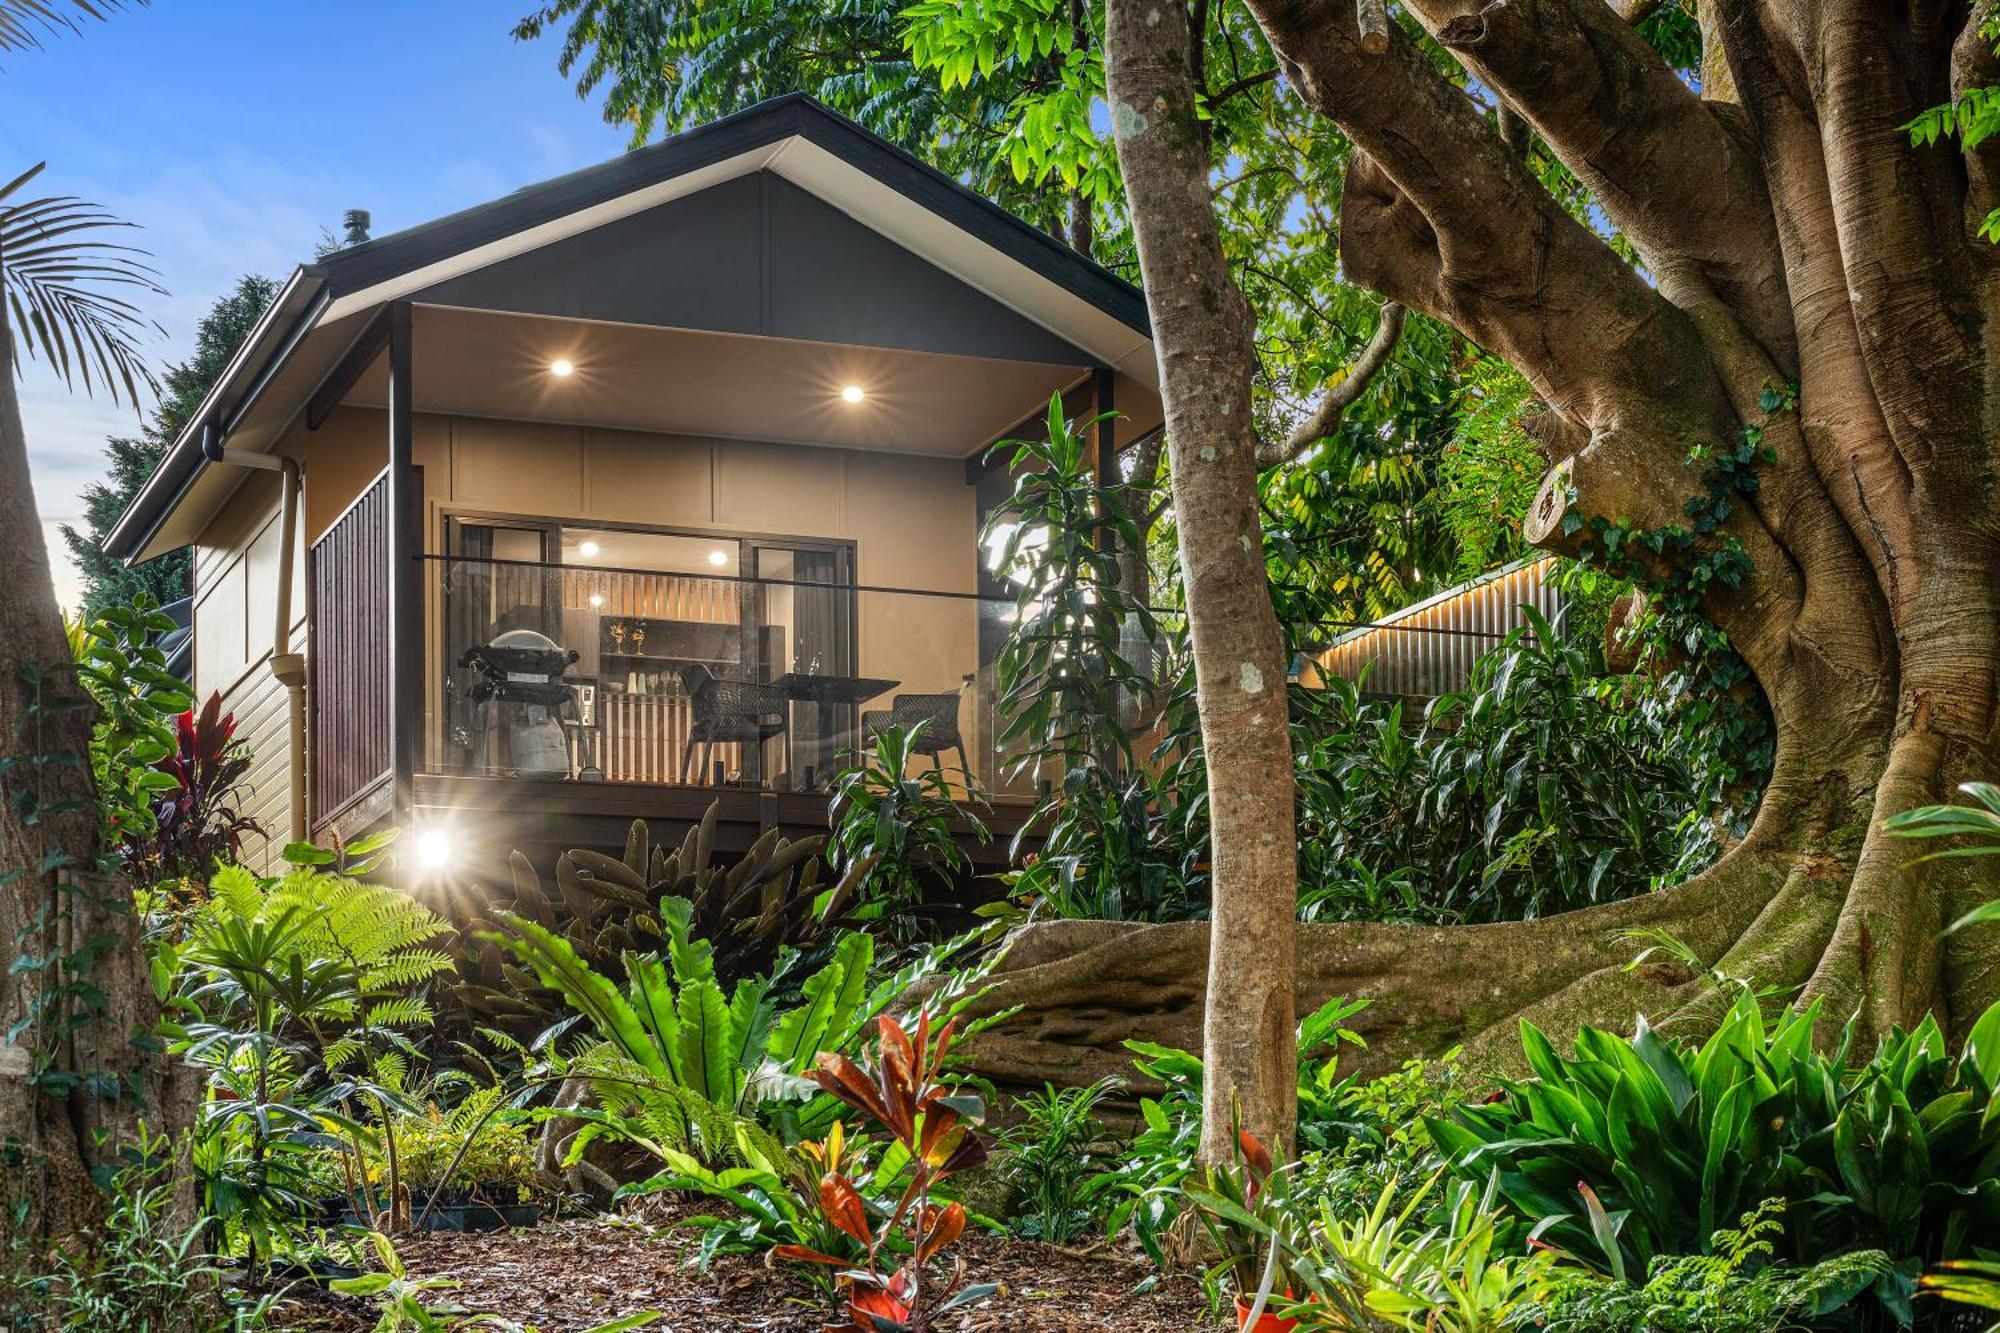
(355, 221)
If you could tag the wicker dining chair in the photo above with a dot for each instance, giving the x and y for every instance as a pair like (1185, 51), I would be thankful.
(938, 713)
(728, 711)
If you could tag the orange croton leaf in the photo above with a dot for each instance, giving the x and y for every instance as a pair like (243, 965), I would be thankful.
(843, 1207)
(800, 1254)
(944, 1226)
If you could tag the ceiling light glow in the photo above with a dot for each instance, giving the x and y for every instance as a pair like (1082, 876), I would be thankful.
(597, 599)
(562, 367)
(718, 558)
(852, 393)
(588, 550)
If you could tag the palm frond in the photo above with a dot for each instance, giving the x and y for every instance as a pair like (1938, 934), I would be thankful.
(68, 294)
(23, 23)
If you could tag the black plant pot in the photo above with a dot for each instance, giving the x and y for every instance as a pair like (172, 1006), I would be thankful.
(457, 1210)
(318, 1272)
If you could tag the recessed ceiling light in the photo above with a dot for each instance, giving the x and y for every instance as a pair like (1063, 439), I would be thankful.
(587, 550)
(853, 393)
(597, 599)
(718, 558)
(562, 367)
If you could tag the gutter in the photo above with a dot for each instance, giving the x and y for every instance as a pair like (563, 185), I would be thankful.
(292, 312)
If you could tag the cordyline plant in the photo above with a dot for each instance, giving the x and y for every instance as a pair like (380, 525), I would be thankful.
(934, 1126)
(197, 819)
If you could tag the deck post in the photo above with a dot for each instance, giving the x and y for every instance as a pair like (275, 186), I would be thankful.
(406, 594)
(1107, 436)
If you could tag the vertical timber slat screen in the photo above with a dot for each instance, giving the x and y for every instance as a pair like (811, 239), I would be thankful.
(349, 569)
(1428, 649)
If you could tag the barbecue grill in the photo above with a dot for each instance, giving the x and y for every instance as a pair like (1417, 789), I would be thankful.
(524, 700)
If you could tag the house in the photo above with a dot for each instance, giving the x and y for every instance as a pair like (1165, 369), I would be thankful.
(644, 487)
(1428, 648)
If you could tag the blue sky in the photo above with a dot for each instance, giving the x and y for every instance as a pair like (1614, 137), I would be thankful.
(234, 131)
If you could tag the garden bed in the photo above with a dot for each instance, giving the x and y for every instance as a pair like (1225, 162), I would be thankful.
(566, 1276)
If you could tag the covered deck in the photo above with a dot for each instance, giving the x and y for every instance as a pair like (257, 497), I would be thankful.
(662, 484)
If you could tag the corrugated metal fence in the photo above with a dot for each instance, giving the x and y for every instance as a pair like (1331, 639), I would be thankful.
(1428, 649)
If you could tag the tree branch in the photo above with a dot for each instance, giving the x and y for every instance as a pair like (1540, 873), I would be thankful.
(1242, 85)
(1635, 11)
(1324, 420)
(1671, 172)
(1439, 215)
(1373, 16)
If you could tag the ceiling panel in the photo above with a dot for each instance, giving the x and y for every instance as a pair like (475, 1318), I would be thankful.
(479, 363)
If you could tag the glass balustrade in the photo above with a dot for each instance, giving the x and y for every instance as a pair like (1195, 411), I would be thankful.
(587, 674)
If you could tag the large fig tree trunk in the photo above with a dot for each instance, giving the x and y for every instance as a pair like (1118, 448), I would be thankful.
(1818, 290)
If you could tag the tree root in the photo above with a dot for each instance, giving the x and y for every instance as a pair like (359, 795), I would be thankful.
(1084, 988)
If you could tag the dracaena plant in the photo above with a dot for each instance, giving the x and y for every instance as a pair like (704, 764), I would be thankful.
(891, 1288)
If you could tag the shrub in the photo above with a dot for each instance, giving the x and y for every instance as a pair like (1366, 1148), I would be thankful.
(294, 993)
(1390, 1267)
(892, 827)
(1735, 1288)
(196, 821)
(932, 1125)
(144, 1274)
(139, 702)
(1146, 1187)
(1048, 1160)
(1544, 785)
(678, 1063)
(1637, 1148)
(767, 907)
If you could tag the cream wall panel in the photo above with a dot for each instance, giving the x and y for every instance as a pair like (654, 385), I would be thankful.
(220, 631)
(516, 466)
(914, 520)
(636, 478)
(348, 451)
(780, 488)
(235, 602)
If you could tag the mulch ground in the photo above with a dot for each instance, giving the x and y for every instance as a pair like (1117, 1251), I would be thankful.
(566, 1276)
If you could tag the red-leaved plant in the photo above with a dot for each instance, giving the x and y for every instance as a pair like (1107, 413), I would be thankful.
(903, 1094)
(197, 817)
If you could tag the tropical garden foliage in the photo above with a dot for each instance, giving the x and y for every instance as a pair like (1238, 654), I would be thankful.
(776, 1042)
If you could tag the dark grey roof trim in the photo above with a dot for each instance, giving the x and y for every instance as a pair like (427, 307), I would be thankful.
(313, 286)
(292, 312)
(794, 115)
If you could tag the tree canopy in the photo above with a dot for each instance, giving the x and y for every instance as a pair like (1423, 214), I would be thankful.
(131, 459)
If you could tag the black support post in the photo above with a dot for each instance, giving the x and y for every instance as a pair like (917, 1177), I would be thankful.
(1107, 436)
(406, 592)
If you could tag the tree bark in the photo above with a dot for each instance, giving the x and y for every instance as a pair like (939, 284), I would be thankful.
(73, 1096)
(1814, 288)
(1203, 329)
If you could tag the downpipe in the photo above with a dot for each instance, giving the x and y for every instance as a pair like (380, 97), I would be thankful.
(287, 667)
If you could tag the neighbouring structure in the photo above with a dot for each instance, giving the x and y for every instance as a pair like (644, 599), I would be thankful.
(1428, 648)
(639, 488)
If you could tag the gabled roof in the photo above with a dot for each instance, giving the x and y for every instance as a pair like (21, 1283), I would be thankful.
(322, 308)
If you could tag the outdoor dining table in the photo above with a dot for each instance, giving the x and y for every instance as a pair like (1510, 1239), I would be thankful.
(814, 746)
